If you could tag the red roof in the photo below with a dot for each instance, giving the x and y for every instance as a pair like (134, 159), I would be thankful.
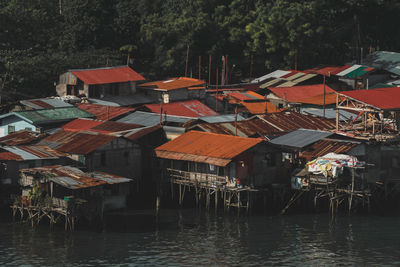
(105, 112)
(108, 75)
(217, 149)
(382, 98)
(294, 93)
(190, 108)
(174, 83)
(331, 70)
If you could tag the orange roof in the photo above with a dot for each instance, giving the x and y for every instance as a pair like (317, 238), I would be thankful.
(295, 93)
(261, 107)
(105, 112)
(330, 98)
(174, 83)
(216, 149)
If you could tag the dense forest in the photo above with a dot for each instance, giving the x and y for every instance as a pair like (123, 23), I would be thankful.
(39, 39)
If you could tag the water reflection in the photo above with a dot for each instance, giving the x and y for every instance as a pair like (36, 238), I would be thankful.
(201, 238)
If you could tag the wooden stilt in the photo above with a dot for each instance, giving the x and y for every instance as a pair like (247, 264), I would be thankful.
(216, 199)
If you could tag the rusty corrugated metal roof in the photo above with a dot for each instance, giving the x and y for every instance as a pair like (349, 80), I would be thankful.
(107, 75)
(105, 112)
(174, 83)
(217, 149)
(76, 142)
(140, 132)
(289, 121)
(189, 108)
(114, 126)
(74, 178)
(21, 137)
(83, 124)
(326, 146)
(80, 125)
(22, 153)
(5, 156)
(269, 125)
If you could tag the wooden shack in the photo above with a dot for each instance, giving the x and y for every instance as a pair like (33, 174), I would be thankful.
(219, 163)
(98, 82)
(67, 192)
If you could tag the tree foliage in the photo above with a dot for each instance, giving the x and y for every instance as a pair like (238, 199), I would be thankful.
(41, 39)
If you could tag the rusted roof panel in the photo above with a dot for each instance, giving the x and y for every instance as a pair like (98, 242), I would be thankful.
(269, 125)
(21, 138)
(81, 125)
(140, 132)
(105, 112)
(99, 126)
(199, 146)
(73, 178)
(174, 83)
(76, 142)
(326, 146)
(108, 75)
(5, 156)
(189, 108)
(114, 126)
(22, 153)
(290, 121)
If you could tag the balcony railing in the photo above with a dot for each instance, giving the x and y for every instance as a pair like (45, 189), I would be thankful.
(206, 179)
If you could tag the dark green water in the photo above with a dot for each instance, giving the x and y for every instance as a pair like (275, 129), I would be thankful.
(196, 238)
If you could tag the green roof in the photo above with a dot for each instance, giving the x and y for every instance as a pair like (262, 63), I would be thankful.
(54, 114)
(389, 61)
(381, 85)
(359, 72)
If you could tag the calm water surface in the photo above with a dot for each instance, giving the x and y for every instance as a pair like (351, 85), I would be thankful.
(198, 238)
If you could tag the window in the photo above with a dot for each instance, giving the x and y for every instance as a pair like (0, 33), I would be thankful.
(11, 129)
